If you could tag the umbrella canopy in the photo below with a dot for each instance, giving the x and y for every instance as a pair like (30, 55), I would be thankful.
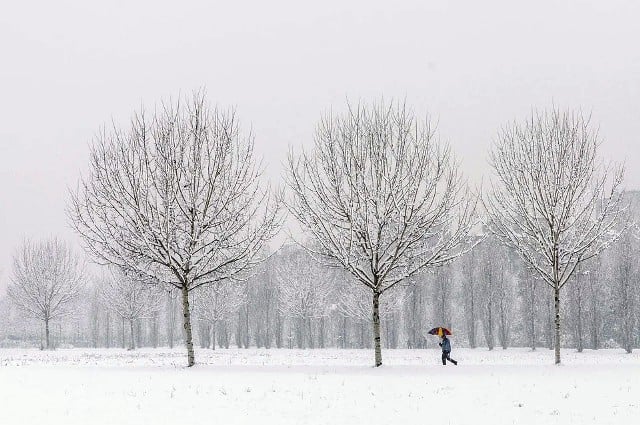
(439, 331)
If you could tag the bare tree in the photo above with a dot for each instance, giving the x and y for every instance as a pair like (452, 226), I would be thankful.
(176, 198)
(488, 282)
(381, 197)
(130, 298)
(577, 306)
(469, 293)
(494, 291)
(595, 295)
(504, 294)
(170, 306)
(216, 303)
(441, 284)
(47, 279)
(625, 292)
(265, 309)
(553, 201)
(415, 314)
(304, 290)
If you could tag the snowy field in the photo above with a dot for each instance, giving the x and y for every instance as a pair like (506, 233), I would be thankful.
(516, 386)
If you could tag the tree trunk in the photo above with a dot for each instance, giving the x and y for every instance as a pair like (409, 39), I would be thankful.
(376, 328)
(155, 330)
(503, 325)
(46, 334)
(170, 319)
(580, 345)
(532, 315)
(246, 326)
(311, 343)
(267, 332)
(345, 332)
(213, 336)
(132, 344)
(124, 333)
(556, 301)
(488, 322)
(139, 334)
(595, 340)
(300, 332)
(278, 330)
(238, 333)
(188, 338)
(472, 320)
(108, 330)
(412, 340)
(321, 333)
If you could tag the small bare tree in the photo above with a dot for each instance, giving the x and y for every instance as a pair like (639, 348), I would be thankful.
(553, 202)
(381, 197)
(129, 297)
(304, 290)
(470, 295)
(625, 294)
(176, 198)
(216, 303)
(47, 279)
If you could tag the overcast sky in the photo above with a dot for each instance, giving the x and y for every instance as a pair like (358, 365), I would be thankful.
(68, 67)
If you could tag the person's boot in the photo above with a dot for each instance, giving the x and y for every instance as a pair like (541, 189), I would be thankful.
(455, 362)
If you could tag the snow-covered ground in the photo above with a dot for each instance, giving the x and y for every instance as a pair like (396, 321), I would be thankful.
(257, 386)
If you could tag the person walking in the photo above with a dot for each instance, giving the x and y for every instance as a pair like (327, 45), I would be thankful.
(446, 350)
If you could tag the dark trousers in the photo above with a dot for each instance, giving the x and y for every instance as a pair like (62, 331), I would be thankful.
(445, 357)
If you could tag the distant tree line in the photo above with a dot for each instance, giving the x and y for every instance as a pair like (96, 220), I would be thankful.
(488, 298)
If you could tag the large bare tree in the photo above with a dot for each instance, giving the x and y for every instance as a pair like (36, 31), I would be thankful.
(47, 279)
(382, 198)
(552, 200)
(176, 197)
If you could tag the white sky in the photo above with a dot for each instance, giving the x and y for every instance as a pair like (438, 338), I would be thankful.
(67, 67)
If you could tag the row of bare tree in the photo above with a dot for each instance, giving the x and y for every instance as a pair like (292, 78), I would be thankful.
(292, 301)
(175, 201)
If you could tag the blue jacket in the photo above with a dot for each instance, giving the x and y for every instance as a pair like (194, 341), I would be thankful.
(445, 344)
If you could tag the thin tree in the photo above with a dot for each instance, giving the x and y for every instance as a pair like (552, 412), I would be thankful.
(130, 298)
(469, 294)
(504, 302)
(441, 282)
(488, 282)
(415, 314)
(217, 303)
(304, 290)
(595, 295)
(625, 290)
(381, 197)
(170, 306)
(47, 279)
(577, 302)
(177, 198)
(553, 201)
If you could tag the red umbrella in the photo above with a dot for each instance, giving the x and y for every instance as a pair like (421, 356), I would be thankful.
(439, 331)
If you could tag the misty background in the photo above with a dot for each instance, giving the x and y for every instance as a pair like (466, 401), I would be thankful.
(69, 67)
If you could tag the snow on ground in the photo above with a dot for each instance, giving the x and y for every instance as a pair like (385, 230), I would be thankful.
(258, 386)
